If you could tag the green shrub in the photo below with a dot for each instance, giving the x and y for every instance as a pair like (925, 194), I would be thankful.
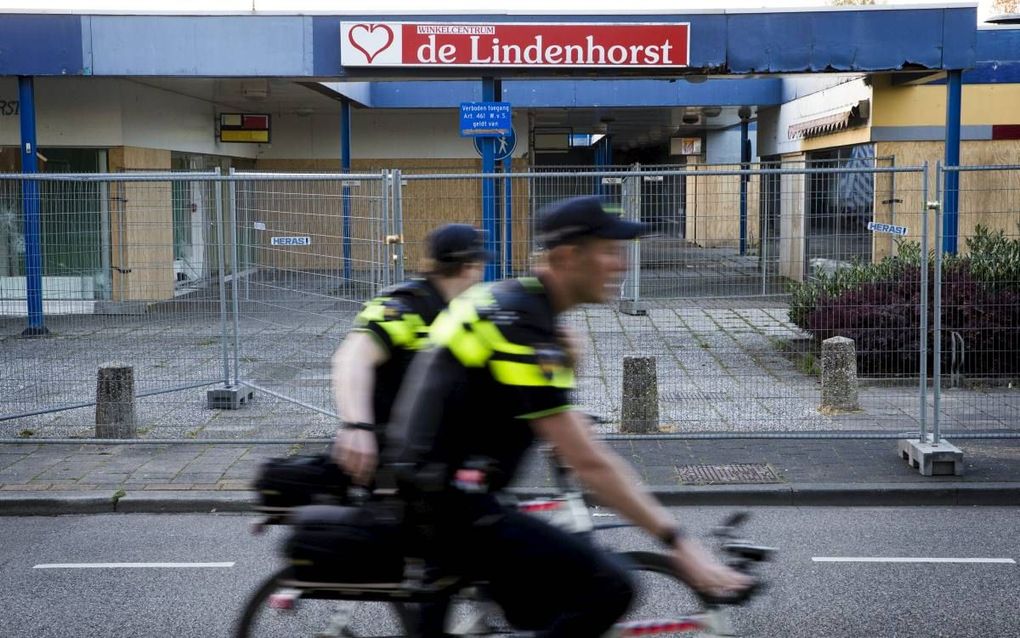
(877, 305)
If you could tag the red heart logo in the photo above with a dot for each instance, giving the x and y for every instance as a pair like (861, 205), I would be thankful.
(363, 37)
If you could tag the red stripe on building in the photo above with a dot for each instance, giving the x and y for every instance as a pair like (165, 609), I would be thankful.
(1006, 131)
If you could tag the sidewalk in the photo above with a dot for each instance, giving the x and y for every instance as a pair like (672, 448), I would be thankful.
(54, 479)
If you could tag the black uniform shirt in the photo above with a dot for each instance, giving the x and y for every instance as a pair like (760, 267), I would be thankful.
(399, 319)
(496, 364)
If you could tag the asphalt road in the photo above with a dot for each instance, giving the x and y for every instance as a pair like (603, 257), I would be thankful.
(46, 589)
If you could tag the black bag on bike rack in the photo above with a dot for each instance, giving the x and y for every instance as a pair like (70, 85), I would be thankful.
(300, 480)
(341, 544)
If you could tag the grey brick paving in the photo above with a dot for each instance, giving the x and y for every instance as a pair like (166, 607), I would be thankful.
(856, 461)
(722, 366)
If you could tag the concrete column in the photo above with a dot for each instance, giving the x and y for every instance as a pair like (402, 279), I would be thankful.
(640, 405)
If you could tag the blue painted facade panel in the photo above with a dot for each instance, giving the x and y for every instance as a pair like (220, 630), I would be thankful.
(40, 45)
(581, 93)
(326, 45)
(959, 38)
(307, 46)
(998, 57)
(843, 41)
(708, 41)
(210, 46)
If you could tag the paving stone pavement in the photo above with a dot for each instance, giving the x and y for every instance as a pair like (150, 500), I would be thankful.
(722, 367)
(36, 467)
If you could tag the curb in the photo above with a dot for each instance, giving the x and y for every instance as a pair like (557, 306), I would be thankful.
(841, 494)
(819, 494)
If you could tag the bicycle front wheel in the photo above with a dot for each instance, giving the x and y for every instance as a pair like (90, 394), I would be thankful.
(276, 610)
(663, 604)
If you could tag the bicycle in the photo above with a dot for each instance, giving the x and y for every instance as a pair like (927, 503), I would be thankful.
(327, 610)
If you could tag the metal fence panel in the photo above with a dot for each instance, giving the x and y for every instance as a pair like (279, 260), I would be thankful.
(131, 266)
(310, 250)
(180, 276)
(978, 344)
(733, 360)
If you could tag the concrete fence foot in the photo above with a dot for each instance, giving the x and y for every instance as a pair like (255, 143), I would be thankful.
(640, 405)
(115, 402)
(839, 376)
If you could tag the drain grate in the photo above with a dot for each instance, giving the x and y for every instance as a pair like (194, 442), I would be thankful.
(724, 474)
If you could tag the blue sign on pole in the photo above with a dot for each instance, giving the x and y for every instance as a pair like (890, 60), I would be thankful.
(485, 119)
(503, 145)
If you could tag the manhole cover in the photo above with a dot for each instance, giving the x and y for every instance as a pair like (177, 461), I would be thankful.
(717, 474)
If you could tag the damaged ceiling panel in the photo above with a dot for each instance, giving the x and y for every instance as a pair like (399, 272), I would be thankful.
(876, 40)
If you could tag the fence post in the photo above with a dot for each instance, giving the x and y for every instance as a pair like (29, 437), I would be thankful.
(398, 226)
(379, 230)
(235, 271)
(630, 302)
(231, 396)
(923, 310)
(937, 327)
(222, 271)
(115, 402)
(507, 253)
(639, 413)
(931, 456)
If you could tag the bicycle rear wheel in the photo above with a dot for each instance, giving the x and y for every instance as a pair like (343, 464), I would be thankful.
(276, 610)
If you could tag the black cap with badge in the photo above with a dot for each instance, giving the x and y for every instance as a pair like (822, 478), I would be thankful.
(457, 243)
(584, 217)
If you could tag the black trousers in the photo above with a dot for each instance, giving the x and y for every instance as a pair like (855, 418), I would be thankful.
(545, 580)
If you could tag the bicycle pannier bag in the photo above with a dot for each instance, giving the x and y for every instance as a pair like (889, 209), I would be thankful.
(341, 544)
(300, 480)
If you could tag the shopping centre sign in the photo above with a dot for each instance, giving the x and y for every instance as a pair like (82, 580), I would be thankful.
(433, 44)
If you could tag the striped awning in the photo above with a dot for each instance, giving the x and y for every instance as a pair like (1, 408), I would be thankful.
(822, 125)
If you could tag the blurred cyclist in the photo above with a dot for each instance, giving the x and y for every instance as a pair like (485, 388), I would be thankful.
(472, 406)
(369, 365)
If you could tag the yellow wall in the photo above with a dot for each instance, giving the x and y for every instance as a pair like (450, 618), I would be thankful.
(791, 220)
(989, 198)
(926, 105)
(712, 212)
(141, 228)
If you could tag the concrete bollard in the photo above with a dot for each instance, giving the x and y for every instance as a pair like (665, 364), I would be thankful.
(839, 375)
(640, 405)
(115, 402)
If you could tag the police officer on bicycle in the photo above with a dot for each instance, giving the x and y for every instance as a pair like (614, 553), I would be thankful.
(370, 364)
(497, 378)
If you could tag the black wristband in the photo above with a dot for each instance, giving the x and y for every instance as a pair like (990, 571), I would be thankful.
(671, 535)
(359, 426)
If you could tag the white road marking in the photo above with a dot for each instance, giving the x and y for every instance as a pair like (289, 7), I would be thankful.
(127, 565)
(904, 559)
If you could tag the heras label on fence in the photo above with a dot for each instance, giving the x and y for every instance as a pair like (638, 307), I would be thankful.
(875, 227)
(291, 241)
(612, 180)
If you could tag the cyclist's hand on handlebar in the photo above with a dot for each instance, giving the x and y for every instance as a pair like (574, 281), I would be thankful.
(356, 453)
(706, 575)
